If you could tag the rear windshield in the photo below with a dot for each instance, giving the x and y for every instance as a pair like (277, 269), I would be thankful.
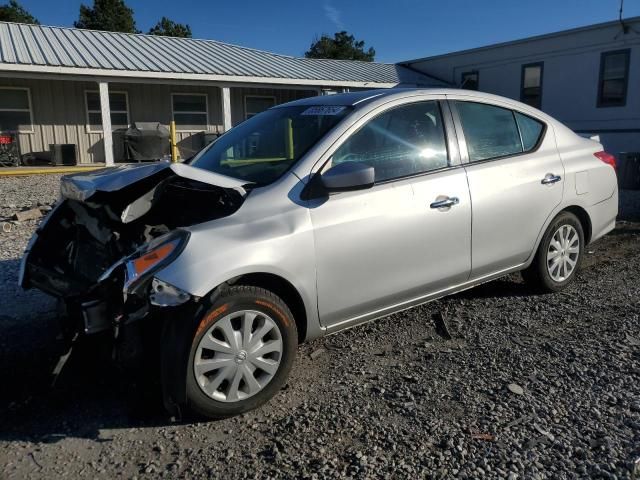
(264, 147)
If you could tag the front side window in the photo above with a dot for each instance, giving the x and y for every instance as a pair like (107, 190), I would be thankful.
(531, 85)
(470, 80)
(404, 141)
(495, 132)
(190, 111)
(254, 104)
(118, 104)
(614, 78)
(15, 110)
(263, 148)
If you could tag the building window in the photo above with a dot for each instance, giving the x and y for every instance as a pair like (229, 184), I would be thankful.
(190, 111)
(118, 104)
(614, 77)
(15, 110)
(531, 84)
(257, 103)
(470, 80)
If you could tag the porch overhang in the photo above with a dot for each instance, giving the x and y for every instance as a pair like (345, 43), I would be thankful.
(105, 75)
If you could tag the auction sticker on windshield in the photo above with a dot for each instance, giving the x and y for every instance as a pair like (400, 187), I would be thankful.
(324, 110)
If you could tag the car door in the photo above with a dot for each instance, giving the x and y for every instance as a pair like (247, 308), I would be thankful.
(516, 179)
(387, 245)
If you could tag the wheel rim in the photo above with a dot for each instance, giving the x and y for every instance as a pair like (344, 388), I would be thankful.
(238, 356)
(562, 255)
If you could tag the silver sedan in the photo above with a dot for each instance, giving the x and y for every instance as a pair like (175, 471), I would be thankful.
(316, 216)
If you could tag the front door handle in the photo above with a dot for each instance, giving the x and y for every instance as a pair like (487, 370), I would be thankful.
(550, 179)
(445, 202)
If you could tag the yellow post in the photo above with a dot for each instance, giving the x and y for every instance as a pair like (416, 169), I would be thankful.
(172, 139)
(289, 139)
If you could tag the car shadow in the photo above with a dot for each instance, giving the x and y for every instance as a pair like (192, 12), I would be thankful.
(511, 286)
(89, 395)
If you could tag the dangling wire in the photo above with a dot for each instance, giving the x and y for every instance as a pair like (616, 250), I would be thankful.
(625, 28)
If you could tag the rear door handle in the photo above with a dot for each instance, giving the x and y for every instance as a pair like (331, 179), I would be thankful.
(446, 202)
(550, 179)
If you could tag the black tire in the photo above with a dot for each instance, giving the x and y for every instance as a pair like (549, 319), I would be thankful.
(537, 275)
(234, 299)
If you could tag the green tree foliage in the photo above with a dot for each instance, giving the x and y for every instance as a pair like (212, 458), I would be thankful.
(342, 46)
(109, 15)
(169, 28)
(14, 12)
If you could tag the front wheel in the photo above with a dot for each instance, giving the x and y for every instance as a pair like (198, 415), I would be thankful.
(559, 254)
(241, 353)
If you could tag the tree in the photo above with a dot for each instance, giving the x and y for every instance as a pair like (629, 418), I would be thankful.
(169, 28)
(342, 46)
(14, 12)
(109, 15)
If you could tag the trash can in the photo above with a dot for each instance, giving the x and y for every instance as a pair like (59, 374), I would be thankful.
(629, 171)
(63, 153)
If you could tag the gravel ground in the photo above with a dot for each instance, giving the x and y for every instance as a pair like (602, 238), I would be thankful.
(527, 387)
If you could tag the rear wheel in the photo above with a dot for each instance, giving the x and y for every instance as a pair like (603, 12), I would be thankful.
(559, 254)
(241, 353)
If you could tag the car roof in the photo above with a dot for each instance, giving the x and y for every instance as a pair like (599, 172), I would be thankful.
(353, 98)
(364, 97)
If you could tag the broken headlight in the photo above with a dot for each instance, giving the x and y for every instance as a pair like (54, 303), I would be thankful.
(166, 295)
(154, 256)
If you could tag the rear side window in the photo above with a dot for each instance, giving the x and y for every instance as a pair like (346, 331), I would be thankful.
(404, 141)
(530, 130)
(489, 131)
(494, 132)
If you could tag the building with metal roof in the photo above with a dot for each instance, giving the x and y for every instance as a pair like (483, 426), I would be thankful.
(61, 86)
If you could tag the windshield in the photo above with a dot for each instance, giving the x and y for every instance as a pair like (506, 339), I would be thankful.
(264, 147)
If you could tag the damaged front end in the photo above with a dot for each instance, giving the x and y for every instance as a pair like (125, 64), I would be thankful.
(113, 229)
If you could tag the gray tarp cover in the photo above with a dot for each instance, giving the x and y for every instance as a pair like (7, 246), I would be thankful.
(146, 141)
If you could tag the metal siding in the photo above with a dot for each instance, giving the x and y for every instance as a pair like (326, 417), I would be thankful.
(59, 112)
(67, 47)
(37, 54)
(22, 52)
(40, 41)
(62, 56)
(8, 53)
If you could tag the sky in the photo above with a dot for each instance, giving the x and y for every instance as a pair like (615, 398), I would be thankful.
(398, 30)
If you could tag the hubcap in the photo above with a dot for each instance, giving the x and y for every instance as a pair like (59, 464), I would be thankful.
(238, 356)
(563, 252)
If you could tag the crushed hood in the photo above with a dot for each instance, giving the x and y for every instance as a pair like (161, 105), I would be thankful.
(87, 187)
(107, 215)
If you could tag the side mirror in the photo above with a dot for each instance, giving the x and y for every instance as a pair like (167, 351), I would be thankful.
(348, 176)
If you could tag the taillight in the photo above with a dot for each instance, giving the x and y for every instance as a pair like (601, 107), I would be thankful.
(606, 158)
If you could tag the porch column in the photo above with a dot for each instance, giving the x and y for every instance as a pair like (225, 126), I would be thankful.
(226, 108)
(105, 110)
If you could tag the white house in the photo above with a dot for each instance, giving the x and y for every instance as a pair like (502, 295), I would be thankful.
(588, 78)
